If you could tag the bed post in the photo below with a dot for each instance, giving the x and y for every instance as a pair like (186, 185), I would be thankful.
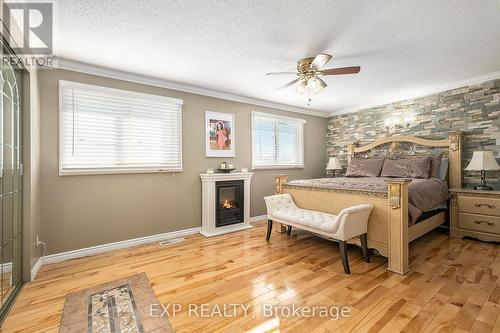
(279, 181)
(455, 156)
(398, 225)
(350, 150)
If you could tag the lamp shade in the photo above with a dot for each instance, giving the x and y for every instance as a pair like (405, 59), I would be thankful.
(333, 164)
(483, 160)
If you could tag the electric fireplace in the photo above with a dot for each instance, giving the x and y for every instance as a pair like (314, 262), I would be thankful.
(229, 202)
(225, 204)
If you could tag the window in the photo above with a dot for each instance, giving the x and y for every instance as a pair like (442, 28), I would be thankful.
(104, 130)
(277, 142)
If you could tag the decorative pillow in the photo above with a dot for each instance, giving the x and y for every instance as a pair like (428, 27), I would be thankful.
(364, 167)
(435, 165)
(443, 169)
(407, 168)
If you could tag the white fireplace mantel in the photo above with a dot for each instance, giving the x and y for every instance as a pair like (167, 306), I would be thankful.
(208, 180)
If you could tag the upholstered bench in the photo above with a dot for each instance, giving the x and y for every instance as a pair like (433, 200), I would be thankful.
(350, 222)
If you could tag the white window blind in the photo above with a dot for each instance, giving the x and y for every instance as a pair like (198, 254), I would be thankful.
(104, 130)
(277, 141)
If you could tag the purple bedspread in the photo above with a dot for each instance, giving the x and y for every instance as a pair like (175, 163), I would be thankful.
(423, 194)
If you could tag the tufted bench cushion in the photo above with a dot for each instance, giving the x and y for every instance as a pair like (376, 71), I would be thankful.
(315, 220)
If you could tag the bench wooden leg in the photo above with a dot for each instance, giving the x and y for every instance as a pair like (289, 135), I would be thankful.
(343, 255)
(364, 247)
(269, 229)
(289, 230)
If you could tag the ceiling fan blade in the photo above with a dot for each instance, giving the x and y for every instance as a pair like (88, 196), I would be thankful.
(280, 73)
(321, 83)
(341, 70)
(288, 84)
(320, 60)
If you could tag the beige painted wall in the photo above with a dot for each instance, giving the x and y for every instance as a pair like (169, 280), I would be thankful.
(83, 211)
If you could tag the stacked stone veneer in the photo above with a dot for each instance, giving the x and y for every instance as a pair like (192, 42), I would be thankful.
(474, 110)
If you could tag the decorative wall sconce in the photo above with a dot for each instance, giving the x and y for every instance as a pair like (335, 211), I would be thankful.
(398, 124)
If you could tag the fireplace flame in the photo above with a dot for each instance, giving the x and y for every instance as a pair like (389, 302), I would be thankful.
(227, 205)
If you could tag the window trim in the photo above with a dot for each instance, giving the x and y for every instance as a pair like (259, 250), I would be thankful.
(276, 166)
(108, 171)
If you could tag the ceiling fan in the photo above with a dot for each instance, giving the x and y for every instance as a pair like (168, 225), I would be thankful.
(309, 71)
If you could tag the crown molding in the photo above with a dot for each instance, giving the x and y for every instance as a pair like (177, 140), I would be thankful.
(443, 88)
(85, 68)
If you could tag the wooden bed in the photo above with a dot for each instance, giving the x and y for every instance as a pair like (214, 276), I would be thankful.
(388, 229)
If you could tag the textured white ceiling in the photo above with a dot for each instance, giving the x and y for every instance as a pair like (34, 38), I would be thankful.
(404, 47)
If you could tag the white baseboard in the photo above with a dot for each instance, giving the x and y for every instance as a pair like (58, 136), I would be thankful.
(88, 251)
(36, 268)
(255, 219)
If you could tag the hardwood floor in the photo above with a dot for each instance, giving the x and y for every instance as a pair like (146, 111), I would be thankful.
(453, 284)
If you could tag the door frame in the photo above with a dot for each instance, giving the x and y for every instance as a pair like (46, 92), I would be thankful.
(5, 308)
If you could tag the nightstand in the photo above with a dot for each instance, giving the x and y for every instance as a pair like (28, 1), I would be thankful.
(475, 214)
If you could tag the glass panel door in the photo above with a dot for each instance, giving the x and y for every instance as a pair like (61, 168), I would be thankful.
(10, 181)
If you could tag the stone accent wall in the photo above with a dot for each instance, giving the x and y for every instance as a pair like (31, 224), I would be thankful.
(474, 110)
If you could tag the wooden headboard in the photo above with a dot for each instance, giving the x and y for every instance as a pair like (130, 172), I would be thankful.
(453, 145)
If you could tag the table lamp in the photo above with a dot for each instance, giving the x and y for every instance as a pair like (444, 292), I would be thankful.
(333, 164)
(483, 160)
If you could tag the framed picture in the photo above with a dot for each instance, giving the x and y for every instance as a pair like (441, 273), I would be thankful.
(219, 136)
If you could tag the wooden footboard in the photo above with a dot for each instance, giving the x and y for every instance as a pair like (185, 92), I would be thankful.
(388, 223)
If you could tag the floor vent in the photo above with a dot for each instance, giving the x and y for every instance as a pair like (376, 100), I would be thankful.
(171, 241)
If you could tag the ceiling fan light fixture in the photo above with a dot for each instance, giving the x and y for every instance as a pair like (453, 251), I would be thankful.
(301, 87)
(315, 85)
